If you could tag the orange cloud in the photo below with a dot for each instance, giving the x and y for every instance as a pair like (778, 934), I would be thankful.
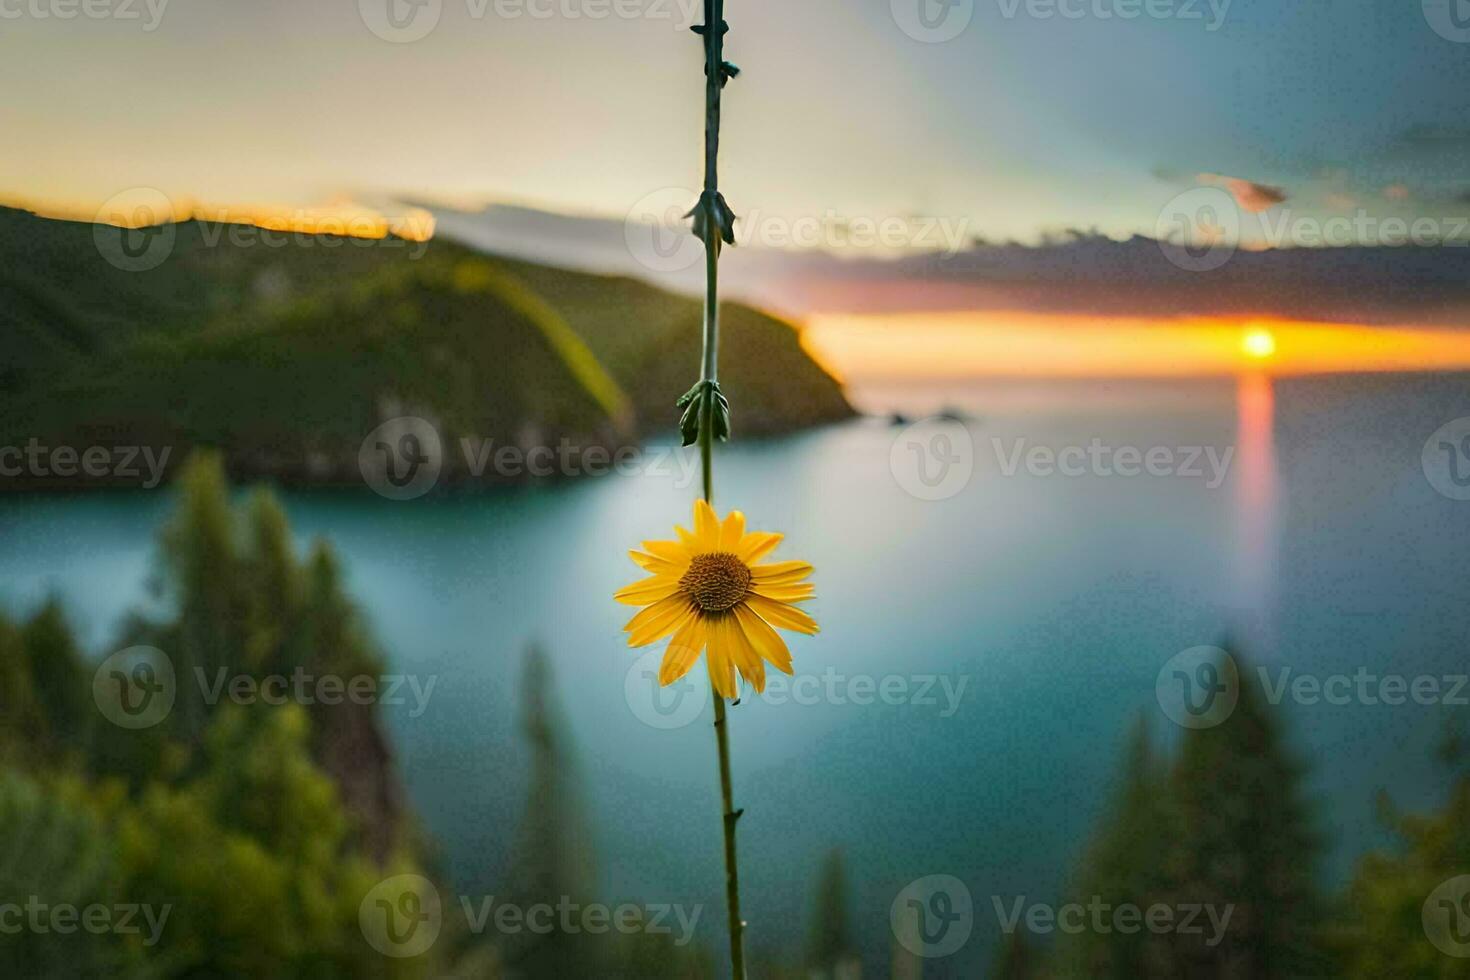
(1251, 196)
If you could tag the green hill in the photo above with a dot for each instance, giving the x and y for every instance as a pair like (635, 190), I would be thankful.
(286, 356)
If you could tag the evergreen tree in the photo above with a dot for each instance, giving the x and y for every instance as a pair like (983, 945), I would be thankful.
(262, 828)
(1016, 960)
(61, 683)
(1384, 932)
(18, 712)
(1224, 826)
(203, 577)
(1123, 865)
(1240, 836)
(904, 964)
(347, 738)
(553, 860)
(830, 950)
(57, 852)
(272, 589)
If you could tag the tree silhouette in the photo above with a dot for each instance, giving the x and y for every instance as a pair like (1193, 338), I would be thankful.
(830, 950)
(1240, 835)
(554, 860)
(1123, 864)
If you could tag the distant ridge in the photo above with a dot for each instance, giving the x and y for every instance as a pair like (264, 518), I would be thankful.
(1073, 272)
(286, 357)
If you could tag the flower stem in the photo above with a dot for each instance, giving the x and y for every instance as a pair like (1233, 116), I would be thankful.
(715, 77)
(732, 868)
(710, 359)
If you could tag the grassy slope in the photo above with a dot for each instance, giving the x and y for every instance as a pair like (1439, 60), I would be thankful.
(286, 357)
(650, 339)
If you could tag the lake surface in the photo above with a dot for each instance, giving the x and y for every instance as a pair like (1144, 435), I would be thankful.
(1047, 602)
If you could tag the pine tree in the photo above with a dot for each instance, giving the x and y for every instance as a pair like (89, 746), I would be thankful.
(553, 857)
(1016, 959)
(61, 683)
(1123, 865)
(57, 851)
(272, 587)
(1384, 910)
(830, 952)
(1240, 837)
(18, 712)
(202, 571)
(1224, 826)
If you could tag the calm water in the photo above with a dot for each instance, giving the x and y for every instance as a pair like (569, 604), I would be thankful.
(1054, 600)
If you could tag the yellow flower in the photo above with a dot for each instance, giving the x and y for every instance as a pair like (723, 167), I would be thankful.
(707, 590)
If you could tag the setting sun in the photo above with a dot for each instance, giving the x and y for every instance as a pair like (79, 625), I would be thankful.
(1012, 343)
(1259, 343)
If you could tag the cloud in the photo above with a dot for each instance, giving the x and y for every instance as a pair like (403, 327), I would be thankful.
(1396, 192)
(1251, 196)
(1076, 272)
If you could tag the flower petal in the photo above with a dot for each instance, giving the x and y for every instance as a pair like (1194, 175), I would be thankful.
(674, 552)
(747, 660)
(659, 620)
(766, 641)
(683, 650)
(779, 572)
(718, 657)
(647, 591)
(781, 615)
(706, 526)
(757, 545)
(732, 530)
(653, 563)
(785, 593)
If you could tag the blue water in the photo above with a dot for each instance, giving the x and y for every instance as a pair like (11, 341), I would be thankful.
(1055, 600)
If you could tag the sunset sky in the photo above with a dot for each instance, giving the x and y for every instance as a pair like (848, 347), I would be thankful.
(1019, 124)
(1016, 343)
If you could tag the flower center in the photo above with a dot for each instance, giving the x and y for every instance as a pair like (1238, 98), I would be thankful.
(716, 581)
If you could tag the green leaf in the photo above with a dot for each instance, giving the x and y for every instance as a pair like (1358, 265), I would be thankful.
(712, 211)
(704, 400)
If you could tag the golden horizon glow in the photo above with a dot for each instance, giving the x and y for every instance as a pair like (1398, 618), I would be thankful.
(143, 207)
(1022, 344)
(1019, 344)
(1259, 343)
